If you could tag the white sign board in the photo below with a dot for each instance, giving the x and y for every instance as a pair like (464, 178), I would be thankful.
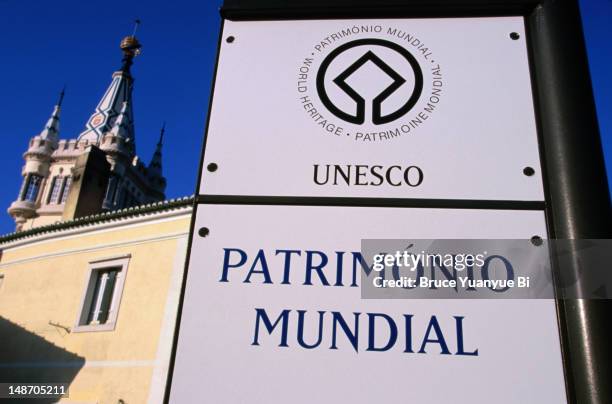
(404, 108)
(236, 346)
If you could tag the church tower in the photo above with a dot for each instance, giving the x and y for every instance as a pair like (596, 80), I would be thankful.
(47, 193)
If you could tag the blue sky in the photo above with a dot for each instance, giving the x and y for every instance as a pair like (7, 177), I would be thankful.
(48, 44)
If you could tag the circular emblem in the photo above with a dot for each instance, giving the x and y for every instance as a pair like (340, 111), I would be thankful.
(370, 83)
(397, 81)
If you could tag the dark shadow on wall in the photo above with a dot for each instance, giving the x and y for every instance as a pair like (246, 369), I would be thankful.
(27, 357)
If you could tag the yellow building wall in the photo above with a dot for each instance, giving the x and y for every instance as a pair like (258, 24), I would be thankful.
(42, 220)
(44, 282)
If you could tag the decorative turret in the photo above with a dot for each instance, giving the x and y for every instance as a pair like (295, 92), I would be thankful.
(117, 141)
(51, 130)
(156, 177)
(36, 168)
(155, 166)
(43, 145)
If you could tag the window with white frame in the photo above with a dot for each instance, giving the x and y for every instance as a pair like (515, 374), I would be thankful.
(99, 307)
(56, 187)
(65, 189)
(33, 186)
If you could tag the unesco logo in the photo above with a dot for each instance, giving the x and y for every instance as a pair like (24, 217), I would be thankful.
(370, 83)
(405, 80)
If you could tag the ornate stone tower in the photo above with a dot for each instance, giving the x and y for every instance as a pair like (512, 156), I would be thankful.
(36, 169)
(50, 162)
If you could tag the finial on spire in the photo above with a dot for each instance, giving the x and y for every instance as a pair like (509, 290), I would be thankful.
(161, 134)
(130, 47)
(61, 96)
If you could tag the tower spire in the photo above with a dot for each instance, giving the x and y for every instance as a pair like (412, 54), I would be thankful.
(61, 97)
(155, 166)
(161, 135)
(51, 130)
(119, 92)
